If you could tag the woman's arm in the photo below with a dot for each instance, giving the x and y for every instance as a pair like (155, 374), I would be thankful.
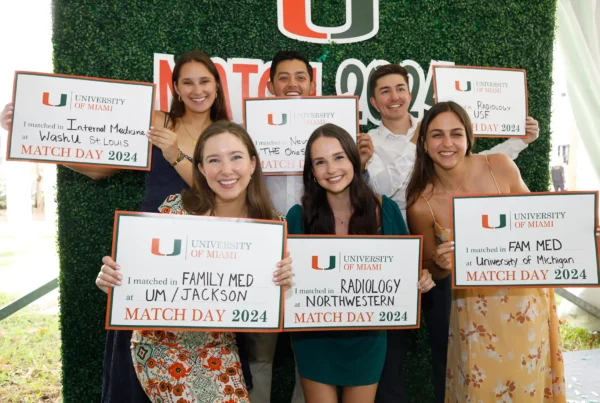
(420, 222)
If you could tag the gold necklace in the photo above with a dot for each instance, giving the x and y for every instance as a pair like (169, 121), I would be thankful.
(459, 186)
(342, 220)
(194, 140)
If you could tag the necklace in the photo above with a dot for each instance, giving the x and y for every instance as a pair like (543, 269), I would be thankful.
(459, 186)
(194, 140)
(343, 220)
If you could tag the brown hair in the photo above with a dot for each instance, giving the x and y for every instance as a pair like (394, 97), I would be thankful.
(423, 171)
(317, 216)
(200, 198)
(218, 110)
(386, 70)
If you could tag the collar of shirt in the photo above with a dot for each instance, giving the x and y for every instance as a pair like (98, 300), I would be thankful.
(383, 133)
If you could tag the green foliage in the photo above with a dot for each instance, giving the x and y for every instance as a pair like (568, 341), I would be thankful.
(116, 39)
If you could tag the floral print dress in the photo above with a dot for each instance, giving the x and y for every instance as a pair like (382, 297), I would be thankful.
(188, 367)
(503, 345)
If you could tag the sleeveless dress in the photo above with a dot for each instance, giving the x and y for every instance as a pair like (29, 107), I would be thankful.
(351, 357)
(503, 344)
(119, 381)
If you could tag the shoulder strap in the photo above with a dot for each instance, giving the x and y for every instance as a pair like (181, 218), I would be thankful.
(428, 205)
(492, 172)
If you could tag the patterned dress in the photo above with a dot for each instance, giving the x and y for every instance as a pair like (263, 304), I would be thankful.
(188, 367)
(503, 345)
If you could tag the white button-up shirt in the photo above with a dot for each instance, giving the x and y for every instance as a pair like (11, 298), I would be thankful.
(394, 156)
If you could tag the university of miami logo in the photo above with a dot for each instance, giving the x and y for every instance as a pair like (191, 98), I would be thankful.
(362, 22)
(315, 263)
(459, 87)
(156, 247)
(485, 222)
(46, 99)
(271, 121)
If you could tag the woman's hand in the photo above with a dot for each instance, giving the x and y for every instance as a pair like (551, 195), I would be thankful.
(443, 255)
(283, 275)
(166, 140)
(365, 149)
(532, 130)
(109, 275)
(426, 283)
(6, 115)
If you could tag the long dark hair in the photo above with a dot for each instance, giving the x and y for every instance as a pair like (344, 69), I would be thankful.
(317, 216)
(423, 171)
(218, 110)
(200, 198)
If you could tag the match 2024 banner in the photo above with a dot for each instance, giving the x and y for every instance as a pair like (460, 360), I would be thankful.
(529, 240)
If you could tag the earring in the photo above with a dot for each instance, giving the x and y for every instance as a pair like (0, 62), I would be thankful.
(179, 98)
(216, 95)
(315, 179)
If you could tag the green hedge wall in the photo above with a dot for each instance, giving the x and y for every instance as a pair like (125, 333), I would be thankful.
(116, 39)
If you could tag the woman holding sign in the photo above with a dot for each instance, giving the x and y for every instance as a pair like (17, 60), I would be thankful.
(200, 366)
(337, 200)
(503, 343)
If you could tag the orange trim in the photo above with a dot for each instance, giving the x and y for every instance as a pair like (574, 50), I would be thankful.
(279, 173)
(419, 294)
(549, 285)
(444, 66)
(152, 116)
(119, 213)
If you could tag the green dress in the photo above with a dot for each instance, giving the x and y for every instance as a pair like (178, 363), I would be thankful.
(351, 357)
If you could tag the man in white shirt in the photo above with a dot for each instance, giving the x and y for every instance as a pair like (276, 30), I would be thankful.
(389, 170)
(291, 76)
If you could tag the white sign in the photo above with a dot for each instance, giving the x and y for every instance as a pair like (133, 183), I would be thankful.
(189, 272)
(533, 240)
(495, 99)
(281, 127)
(346, 283)
(81, 121)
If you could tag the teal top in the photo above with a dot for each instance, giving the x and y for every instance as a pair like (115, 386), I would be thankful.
(344, 357)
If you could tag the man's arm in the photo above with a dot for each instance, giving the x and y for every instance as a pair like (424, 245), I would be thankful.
(513, 147)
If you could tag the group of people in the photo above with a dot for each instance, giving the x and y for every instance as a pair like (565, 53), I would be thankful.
(487, 345)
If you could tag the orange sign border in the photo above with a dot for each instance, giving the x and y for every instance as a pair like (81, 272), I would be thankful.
(419, 294)
(476, 195)
(479, 135)
(119, 213)
(356, 98)
(153, 112)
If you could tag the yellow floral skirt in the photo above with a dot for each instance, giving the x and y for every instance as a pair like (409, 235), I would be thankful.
(504, 346)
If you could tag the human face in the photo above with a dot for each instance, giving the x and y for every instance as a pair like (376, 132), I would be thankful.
(446, 140)
(331, 166)
(197, 87)
(227, 166)
(392, 97)
(291, 80)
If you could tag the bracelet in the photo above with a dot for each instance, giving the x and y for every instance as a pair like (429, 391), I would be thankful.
(180, 158)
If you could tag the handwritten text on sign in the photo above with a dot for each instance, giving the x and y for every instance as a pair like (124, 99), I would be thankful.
(64, 119)
(196, 272)
(495, 99)
(280, 127)
(526, 240)
(348, 282)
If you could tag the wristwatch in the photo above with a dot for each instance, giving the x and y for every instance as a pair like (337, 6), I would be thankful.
(180, 158)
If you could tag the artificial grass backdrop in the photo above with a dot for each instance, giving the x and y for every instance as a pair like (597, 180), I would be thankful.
(116, 39)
